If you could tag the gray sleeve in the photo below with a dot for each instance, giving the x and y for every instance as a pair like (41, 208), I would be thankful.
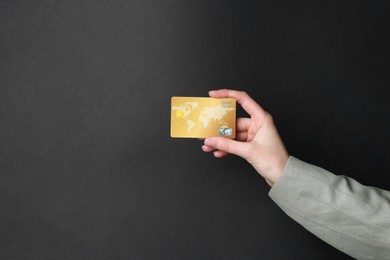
(342, 212)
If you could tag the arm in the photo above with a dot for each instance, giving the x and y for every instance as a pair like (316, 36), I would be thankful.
(349, 216)
(344, 213)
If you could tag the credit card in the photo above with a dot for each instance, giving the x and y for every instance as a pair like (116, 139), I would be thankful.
(201, 117)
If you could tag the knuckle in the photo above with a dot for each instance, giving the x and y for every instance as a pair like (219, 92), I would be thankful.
(244, 93)
(242, 97)
(223, 145)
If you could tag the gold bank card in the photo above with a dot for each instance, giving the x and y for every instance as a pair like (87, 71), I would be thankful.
(201, 117)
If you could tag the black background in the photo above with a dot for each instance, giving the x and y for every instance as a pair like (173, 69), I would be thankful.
(88, 170)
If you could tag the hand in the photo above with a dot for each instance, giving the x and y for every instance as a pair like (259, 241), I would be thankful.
(257, 139)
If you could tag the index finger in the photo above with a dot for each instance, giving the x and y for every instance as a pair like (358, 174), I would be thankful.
(247, 103)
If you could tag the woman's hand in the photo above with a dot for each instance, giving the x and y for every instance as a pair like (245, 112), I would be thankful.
(257, 139)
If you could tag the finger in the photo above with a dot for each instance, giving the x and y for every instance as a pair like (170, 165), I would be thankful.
(228, 145)
(242, 136)
(247, 103)
(219, 154)
(207, 149)
(243, 124)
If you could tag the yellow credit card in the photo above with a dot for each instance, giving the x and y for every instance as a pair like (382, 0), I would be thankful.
(201, 117)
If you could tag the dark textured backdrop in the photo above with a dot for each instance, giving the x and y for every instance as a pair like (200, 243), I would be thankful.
(87, 167)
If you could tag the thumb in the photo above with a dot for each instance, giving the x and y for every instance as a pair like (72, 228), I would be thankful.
(228, 145)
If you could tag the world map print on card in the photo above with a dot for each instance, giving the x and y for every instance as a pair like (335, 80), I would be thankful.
(199, 117)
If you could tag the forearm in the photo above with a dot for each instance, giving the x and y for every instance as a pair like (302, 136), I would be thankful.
(349, 216)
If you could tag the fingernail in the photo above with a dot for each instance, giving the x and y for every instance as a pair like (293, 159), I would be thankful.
(209, 142)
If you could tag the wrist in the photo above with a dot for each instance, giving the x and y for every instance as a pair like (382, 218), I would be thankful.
(277, 170)
(272, 169)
